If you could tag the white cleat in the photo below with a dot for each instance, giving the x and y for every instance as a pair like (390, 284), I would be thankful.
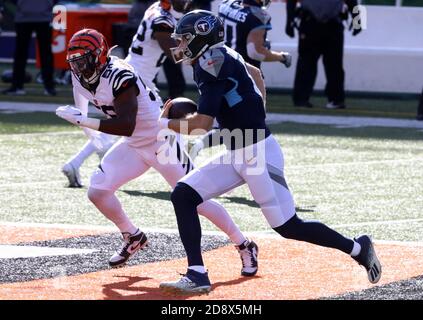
(73, 175)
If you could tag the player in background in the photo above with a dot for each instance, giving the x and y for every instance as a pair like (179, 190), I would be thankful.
(148, 51)
(232, 91)
(132, 111)
(152, 42)
(246, 24)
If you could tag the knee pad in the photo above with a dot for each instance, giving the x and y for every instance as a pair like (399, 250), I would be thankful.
(290, 229)
(185, 194)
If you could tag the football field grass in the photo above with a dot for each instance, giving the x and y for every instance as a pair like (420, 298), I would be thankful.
(363, 179)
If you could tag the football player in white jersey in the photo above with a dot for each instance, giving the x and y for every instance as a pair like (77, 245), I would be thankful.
(150, 47)
(152, 42)
(132, 111)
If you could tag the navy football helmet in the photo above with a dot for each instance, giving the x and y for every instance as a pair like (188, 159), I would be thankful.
(197, 31)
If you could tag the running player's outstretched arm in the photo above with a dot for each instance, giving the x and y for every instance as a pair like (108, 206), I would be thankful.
(258, 79)
(123, 121)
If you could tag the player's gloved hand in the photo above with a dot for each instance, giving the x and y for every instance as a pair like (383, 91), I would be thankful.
(289, 30)
(287, 59)
(71, 114)
(163, 120)
(356, 31)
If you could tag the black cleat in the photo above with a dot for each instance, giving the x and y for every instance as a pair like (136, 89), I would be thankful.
(248, 252)
(368, 259)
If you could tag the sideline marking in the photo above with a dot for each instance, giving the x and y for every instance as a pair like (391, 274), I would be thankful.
(13, 252)
(341, 121)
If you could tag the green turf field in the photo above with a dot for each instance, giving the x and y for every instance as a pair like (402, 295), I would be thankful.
(365, 179)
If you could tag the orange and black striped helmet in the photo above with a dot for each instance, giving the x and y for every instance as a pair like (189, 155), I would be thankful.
(87, 55)
(176, 7)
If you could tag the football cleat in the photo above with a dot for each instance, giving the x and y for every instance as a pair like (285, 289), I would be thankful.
(367, 258)
(72, 174)
(131, 244)
(248, 252)
(192, 282)
(333, 105)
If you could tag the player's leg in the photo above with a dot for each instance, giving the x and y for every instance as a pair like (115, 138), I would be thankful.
(178, 166)
(100, 142)
(121, 164)
(71, 168)
(199, 185)
(271, 192)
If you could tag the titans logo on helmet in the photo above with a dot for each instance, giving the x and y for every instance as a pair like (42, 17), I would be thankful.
(204, 25)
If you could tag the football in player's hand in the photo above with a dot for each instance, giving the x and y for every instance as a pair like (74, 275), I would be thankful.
(181, 107)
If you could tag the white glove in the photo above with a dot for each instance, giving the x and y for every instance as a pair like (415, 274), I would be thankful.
(75, 116)
(71, 114)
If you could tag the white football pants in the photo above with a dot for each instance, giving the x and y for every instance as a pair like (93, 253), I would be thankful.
(260, 166)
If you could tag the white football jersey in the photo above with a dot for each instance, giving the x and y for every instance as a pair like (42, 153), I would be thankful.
(145, 54)
(114, 79)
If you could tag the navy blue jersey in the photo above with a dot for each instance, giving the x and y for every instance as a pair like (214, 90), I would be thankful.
(239, 21)
(229, 94)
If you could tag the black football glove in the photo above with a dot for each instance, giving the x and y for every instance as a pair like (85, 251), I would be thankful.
(289, 30)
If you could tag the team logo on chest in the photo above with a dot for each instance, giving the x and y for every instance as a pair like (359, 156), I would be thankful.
(204, 25)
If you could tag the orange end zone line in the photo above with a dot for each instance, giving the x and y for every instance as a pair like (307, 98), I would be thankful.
(287, 270)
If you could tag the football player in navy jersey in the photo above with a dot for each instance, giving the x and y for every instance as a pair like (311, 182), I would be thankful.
(246, 24)
(232, 91)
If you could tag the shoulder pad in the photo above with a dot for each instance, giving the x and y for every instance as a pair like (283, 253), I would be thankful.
(164, 19)
(121, 74)
(261, 14)
(212, 62)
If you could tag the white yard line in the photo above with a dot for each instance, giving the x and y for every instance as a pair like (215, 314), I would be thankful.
(338, 121)
(20, 184)
(370, 223)
(13, 251)
(335, 164)
(343, 121)
(35, 134)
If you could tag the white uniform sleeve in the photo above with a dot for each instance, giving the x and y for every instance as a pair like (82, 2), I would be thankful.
(80, 101)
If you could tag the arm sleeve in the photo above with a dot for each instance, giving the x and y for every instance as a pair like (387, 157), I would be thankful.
(162, 24)
(122, 81)
(80, 101)
(82, 104)
(211, 95)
